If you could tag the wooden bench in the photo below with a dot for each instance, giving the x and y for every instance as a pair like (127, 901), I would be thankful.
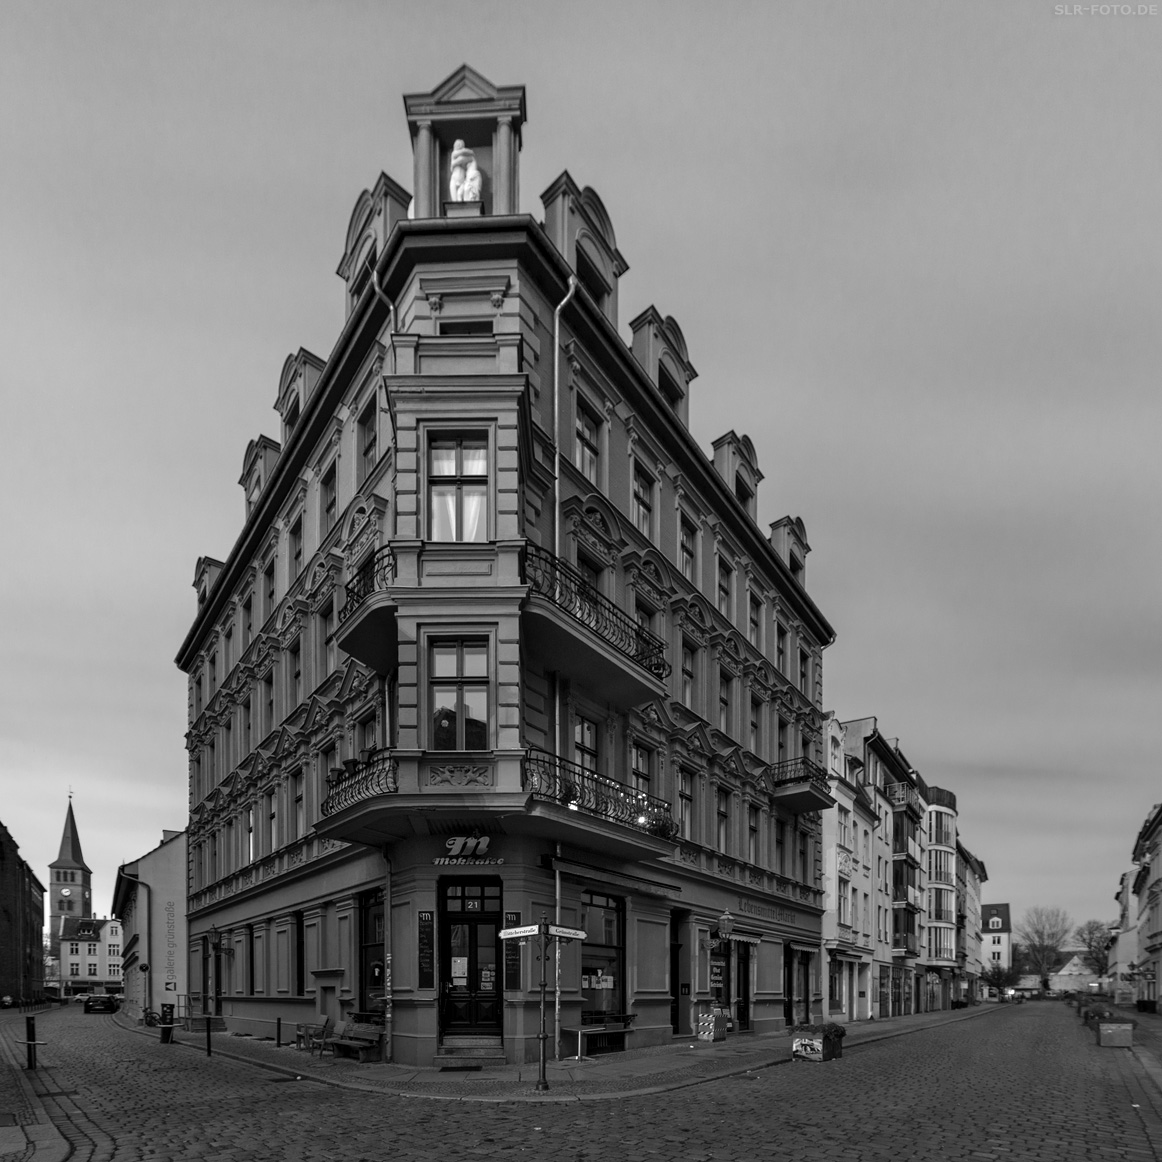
(357, 1040)
(603, 1026)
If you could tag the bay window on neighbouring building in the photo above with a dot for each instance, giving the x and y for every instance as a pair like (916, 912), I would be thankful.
(458, 694)
(458, 488)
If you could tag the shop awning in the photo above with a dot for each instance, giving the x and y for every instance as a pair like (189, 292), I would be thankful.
(798, 946)
(843, 954)
(746, 937)
(603, 876)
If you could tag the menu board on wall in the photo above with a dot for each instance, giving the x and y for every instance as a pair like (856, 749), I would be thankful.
(427, 950)
(512, 953)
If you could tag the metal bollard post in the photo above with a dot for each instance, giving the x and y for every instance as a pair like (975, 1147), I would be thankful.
(278, 1032)
(209, 1046)
(30, 1040)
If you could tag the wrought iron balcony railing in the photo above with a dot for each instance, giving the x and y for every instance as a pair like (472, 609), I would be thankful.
(800, 770)
(377, 572)
(546, 776)
(568, 590)
(376, 775)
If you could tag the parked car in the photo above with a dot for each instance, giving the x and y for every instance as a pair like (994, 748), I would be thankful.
(100, 1004)
(7, 1002)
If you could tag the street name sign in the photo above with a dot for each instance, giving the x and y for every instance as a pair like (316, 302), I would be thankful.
(518, 933)
(567, 933)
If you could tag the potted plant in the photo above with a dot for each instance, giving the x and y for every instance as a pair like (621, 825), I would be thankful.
(817, 1042)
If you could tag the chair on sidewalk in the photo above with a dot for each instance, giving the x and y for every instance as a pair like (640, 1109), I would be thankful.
(327, 1040)
(311, 1037)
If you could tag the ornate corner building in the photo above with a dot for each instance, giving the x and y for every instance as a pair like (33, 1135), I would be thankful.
(499, 640)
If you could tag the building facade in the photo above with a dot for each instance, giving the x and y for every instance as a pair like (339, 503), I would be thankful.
(971, 874)
(149, 901)
(851, 898)
(1124, 949)
(1146, 888)
(90, 955)
(996, 935)
(21, 925)
(499, 641)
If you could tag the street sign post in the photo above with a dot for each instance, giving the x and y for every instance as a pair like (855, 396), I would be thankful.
(546, 932)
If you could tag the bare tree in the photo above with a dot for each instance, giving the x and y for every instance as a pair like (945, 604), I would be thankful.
(1043, 932)
(1094, 936)
(998, 977)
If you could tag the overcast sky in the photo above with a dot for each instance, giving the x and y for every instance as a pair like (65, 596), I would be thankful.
(915, 252)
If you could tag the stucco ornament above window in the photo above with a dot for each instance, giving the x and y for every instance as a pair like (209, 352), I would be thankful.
(464, 182)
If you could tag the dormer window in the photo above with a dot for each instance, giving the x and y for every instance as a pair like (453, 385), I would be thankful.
(797, 569)
(591, 280)
(745, 494)
(669, 387)
(363, 273)
(292, 415)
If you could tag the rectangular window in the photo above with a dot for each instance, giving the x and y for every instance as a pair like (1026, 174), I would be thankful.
(723, 812)
(585, 743)
(92, 950)
(74, 950)
(804, 671)
(804, 853)
(780, 648)
(294, 674)
(268, 589)
(247, 622)
(271, 822)
(780, 847)
(328, 500)
(327, 647)
(844, 902)
(268, 702)
(687, 542)
(587, 450)
(754, 626)
(458, 694)
(367, 438)
(752, 835)
(227, 651)
(75, 968)
(250, 852)
(844, 826)
(686, 804)
(296, 548)
(92, 970)
(755, 727)
(300, 815)
(782, 740)
(688, 665)
(212, 673)
(247, 728)
(603, 953)
(643, 501)
(725, 584)
(643, 762)
(724, 698)
(458, 488)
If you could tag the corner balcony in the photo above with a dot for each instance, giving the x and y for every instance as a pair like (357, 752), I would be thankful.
(904, 847)
(367, 628)
(580, 633)
(376, 775)
(800, 786)
(905, 796)
(906, 945)
(579, 806)
(908, 896)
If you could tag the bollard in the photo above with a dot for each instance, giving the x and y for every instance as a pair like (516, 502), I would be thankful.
(30, 1041)
(209, 1047)
(278, 1032)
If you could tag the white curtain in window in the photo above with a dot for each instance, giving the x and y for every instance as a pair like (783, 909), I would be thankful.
(475, 514)
(443, 514)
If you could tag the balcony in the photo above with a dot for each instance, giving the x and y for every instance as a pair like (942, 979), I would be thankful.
(583, 635)
(902, 846)
(547, 777)
(800, 785)
(909, 896)
(905, 945)
(941, 875)
(939, 915)
(367, 618)
(377, 775)
(904, 795)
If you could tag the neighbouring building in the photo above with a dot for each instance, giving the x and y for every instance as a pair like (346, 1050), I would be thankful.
(996, 936)
(1146, 887)
(498, 640)
(898, 794)
(21, 925)
(1124, 950)
(149, 900)
(851, 899)
(971, 874)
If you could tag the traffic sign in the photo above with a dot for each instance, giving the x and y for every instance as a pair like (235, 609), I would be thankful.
(567, 933)
(517, 933)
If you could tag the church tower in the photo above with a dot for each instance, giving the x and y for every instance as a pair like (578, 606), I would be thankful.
(70, 882)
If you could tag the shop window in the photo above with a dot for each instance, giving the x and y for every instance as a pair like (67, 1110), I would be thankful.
(458, 694)
(602, 954)
(458, 488)
(372, 978)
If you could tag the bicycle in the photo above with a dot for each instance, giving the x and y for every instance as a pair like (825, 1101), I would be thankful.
(151, 1019)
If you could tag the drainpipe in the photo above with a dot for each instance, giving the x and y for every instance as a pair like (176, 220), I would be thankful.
(148, 938)
(391, 310)
(387, 985)
(573, 284)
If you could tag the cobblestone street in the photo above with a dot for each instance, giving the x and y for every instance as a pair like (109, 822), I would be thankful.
(1026, 1082)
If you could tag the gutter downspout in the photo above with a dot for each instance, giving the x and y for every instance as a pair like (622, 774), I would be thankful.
(387, 985)
(391, 309)
(573, 284)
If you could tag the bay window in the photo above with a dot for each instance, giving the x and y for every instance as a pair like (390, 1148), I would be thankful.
(458, 694)
(458, 488)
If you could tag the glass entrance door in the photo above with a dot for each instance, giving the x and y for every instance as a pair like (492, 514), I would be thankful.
(470, 985)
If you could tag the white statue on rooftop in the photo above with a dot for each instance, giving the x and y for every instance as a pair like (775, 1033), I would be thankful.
(465, 179)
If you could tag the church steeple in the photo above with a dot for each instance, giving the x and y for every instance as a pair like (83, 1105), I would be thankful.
(70, 878)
